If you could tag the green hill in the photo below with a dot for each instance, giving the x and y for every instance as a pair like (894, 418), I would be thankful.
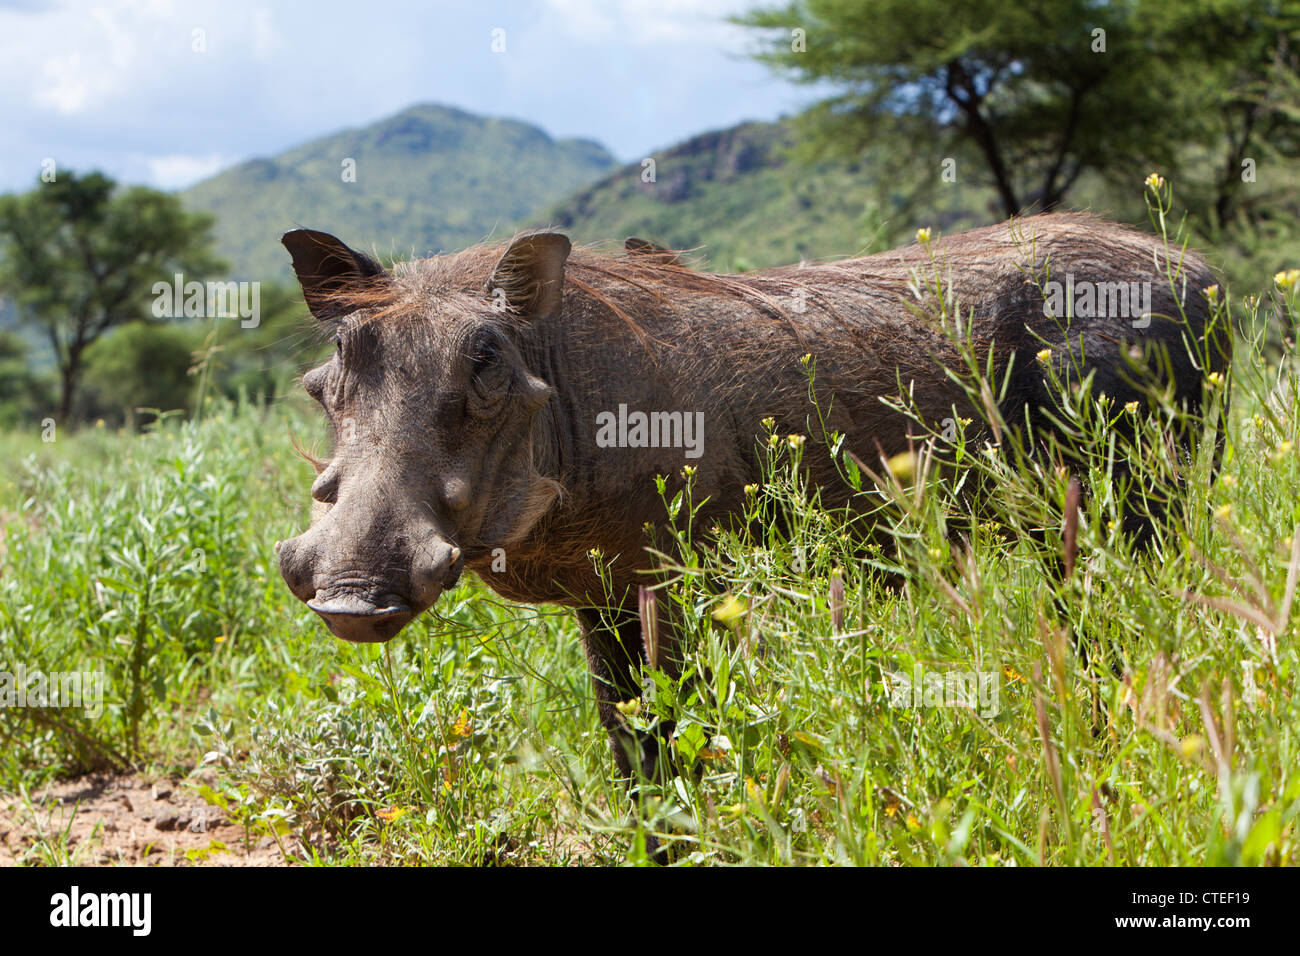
(738, 198)
(431, 178)
(434, 178)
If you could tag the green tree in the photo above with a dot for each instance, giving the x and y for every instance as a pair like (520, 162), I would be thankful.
(263, 362)
(140, 366)
(21, 389)
(79, 256)
(1239, 175)
(1040, 92)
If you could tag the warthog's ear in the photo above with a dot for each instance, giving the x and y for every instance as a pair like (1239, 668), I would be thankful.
(328, 271)
(529, 278)
(644, 249)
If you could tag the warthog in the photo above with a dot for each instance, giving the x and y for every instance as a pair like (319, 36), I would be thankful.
(507, 408)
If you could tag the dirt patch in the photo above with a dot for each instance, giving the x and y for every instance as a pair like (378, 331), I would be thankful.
(106, 820)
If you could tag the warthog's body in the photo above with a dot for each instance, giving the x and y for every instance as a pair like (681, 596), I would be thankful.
(449, 449)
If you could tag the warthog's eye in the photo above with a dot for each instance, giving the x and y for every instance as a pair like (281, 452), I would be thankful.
(355, 344)
(489, 375)
(484, 350)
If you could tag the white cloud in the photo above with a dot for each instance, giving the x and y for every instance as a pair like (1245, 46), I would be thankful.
(264, 41)
(649, 21)
(178, 170)
(64, 87)
(93, 53)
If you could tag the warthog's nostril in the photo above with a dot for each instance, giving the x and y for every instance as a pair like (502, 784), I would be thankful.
(355, 619)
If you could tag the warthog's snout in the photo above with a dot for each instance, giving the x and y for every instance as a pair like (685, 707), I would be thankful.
(366, 606)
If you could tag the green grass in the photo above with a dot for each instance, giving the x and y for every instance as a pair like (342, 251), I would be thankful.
(1167, 737)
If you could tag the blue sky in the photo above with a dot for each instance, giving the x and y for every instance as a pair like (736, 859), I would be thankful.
(120, 86)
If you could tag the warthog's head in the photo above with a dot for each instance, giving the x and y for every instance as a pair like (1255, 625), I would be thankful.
(433, 412)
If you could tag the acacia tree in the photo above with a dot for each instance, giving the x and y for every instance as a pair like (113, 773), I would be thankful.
(79, 257)
(1039, 92)
(1242, 78)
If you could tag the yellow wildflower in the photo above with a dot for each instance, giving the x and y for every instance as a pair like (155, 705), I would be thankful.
(731, 609)
(902, 466)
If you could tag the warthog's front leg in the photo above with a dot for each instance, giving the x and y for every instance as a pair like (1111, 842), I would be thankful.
(615, 654)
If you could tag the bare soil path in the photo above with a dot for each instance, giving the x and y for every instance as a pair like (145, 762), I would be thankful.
(131, 820)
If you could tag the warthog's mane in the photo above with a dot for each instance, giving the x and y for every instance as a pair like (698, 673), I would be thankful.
(630, 287)
(634, 287)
